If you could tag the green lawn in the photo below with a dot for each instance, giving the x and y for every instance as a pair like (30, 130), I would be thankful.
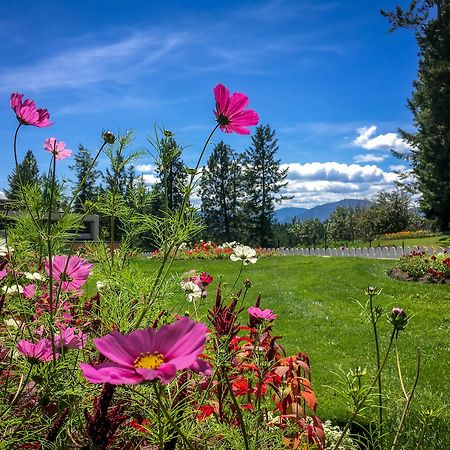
(316, 300)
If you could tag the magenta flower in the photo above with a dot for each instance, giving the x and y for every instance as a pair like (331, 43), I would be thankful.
(27, 114)
(262, 314)
(57, 148)
(149, 354)
(29, 291)
(229, 112)
(72, 272)
(39, 352)
(70, 338)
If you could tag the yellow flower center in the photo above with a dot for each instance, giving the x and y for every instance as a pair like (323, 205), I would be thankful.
(149, 361)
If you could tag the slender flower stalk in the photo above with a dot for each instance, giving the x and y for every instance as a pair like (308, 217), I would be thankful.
(361, 402)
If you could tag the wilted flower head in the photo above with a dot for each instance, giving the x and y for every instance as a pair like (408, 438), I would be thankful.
(149, 354)
(398, 318)
(39, 352)
(27, 114)
(72, 272)
(229, 112)
(262, 314)
(191, 289)
(358, 372)
(244, 253)
(58, 149)
(206, 279)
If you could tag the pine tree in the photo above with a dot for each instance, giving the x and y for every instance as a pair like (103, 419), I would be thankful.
(172, 173)
(263, 181)
(220, 194)
(28, 175)
(430, 157)
(89, 190)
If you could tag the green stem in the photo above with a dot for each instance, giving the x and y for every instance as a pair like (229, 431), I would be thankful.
(170, 418)
(360, 404)
(239, 274)
(409, 398)
(238, 411)
(380, 395)
(158, 279)
(50, 254)
(19, 176)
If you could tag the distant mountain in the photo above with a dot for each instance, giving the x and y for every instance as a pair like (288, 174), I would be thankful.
(321, 212)
(285, 215)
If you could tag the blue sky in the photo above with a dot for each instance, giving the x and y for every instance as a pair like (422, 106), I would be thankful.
(325, 75)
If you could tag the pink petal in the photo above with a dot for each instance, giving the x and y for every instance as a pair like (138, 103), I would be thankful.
(110, 373)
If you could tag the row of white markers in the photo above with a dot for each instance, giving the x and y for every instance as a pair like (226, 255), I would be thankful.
(371, 252)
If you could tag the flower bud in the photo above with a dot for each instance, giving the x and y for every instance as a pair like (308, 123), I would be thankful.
(398, 318)
(248, 283)
(358, 372)
(108, 137)
(371, 290)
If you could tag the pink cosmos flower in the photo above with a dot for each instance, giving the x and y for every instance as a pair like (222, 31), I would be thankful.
(72, 272)
(70, 338)
(57, 148)
(3, 274)
(29, 291)
(27, 114)
(41, 351)
(262, 314)
(149, 354)
(229, 112)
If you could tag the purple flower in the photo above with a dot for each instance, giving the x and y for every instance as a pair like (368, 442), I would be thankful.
(149, 354)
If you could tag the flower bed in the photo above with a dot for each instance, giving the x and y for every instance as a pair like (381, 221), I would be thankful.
(419, 266)
(211, 250)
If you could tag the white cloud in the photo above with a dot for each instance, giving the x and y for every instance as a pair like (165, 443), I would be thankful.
(315, 183)
(150, 179)
(398, 168)
(367, 140)
(2, 196)
(368, 157)
(121, 61)
(145, 168)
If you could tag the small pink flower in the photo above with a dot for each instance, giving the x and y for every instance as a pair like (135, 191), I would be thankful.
(3, 274)
(39, 352)
(149, 354)
(229, 112)
(70, 338)
(27, 114)
(262, 314)
(72, 272)
(29, 291)
(57, 148)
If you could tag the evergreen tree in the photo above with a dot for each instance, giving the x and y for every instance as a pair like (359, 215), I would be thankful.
(220, 194)
(89, 191)
(28, 175)
(263, 181)
(172, 173)
(430, 157)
